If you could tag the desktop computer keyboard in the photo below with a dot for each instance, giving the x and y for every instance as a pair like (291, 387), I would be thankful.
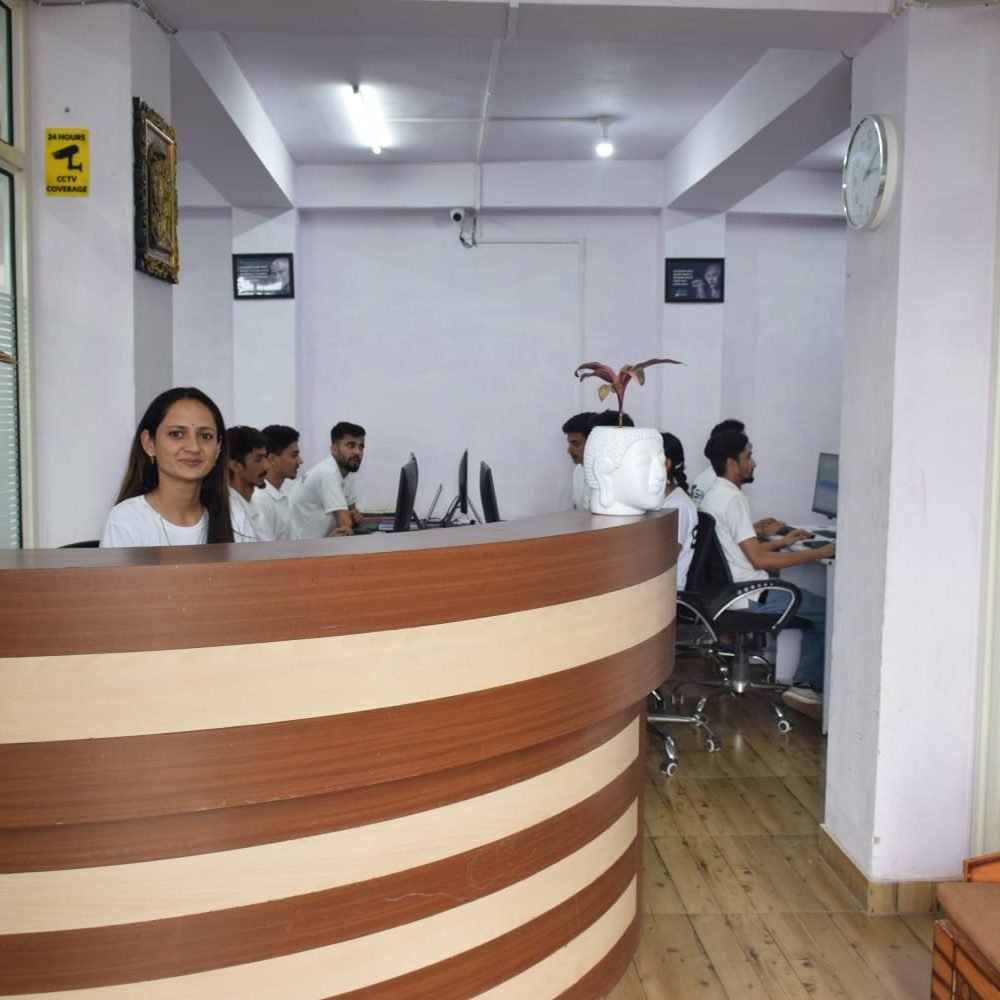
(826, 532)
(816, 543)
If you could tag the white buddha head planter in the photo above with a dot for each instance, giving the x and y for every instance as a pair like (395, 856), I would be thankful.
(625, 470)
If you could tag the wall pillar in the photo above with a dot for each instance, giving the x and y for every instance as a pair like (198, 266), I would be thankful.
(919, 333)
(102, 343)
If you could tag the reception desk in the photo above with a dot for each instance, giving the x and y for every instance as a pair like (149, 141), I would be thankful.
(383, 766)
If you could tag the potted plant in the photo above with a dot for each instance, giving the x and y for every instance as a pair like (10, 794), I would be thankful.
(623, 466)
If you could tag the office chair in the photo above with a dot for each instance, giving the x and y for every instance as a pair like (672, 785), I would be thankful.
(691, 637)
(712, 606)
(655, 717)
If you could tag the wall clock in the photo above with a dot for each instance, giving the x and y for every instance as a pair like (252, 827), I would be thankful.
(870, 169)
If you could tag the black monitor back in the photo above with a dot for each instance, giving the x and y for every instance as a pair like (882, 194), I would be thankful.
(463, 482)
(487, 494)
(406, 495)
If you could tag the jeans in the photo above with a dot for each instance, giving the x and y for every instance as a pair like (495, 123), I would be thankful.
(813, 610)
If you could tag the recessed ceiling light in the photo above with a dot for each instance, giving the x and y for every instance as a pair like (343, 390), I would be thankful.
(604, 147)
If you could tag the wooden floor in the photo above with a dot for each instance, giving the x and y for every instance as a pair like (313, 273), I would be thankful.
(737, 902)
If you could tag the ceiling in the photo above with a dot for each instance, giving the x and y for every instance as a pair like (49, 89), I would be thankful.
(487, 81)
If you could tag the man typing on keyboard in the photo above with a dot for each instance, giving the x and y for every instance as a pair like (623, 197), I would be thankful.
(731, 455)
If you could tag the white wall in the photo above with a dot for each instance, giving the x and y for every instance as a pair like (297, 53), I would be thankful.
(265, 383)
(770, 355)
(387, 300)
(781, 365)
(920, 316)
(90, 310)
(203, 306)
(435, 348)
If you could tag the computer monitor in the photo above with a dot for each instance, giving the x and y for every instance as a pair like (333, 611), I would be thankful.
(406, 495)
(827, 480)
(487, 494)
(461, 501)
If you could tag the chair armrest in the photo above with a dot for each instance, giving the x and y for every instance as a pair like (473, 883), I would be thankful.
(726, 597)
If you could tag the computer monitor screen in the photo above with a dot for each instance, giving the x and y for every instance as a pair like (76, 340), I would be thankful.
(406, 495)
(827, 480)
(487, 494)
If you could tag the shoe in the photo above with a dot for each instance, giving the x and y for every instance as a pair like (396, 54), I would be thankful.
(804, 700)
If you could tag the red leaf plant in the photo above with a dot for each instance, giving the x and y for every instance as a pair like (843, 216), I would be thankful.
(617, 383)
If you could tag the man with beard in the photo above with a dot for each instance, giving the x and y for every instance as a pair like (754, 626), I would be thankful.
(576, 430)
(731, 455)
(324, 503)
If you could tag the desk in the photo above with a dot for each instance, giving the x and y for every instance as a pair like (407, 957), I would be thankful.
(310, 769)
(819, 577)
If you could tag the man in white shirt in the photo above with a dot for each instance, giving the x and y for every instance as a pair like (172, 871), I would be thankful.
(576, 430)
(247, 466)
(731, 455)
(271, 505)
(705, 479)
(324, 503)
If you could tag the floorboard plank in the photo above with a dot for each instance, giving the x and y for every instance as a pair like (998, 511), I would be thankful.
(775, 807)
(738, 975)
(659, 894)
(680, 857)
(890, 949)
(672, 963)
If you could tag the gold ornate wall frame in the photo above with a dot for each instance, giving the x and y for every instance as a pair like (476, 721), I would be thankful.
(155, 175)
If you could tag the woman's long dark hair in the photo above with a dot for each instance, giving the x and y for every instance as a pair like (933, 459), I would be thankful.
(674, 450)
(142, 475)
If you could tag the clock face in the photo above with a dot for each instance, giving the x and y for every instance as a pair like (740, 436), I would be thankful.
(867, 174)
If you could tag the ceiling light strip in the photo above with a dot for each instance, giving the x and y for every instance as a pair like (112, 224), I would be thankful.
(373, 127)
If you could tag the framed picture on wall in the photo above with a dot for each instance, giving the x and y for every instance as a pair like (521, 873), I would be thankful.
(263, 276)
(696, 279)
(155, 193)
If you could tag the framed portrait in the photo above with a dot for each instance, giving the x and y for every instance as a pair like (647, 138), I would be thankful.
(155, 181)
(263, 276)
(696, 279)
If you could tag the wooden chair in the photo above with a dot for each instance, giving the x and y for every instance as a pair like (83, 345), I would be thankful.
(966, 961)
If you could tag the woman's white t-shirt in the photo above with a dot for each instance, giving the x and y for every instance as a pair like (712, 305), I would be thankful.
(133, 522)
(687, 521)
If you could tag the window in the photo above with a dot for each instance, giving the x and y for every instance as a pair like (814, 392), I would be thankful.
(6, 75)
(11, 195)
(10, 478)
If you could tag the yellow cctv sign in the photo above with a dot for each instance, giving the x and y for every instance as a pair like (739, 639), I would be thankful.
(67, 162)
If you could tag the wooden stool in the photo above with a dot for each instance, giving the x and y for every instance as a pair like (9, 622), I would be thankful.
(966, 960)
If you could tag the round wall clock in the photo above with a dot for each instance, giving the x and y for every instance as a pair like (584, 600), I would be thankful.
(870, 168)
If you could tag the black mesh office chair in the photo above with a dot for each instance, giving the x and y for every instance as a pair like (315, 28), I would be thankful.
(712, 606)
(691, 638)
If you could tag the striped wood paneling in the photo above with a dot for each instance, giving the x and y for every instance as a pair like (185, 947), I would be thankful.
(378, 773)
(140, 599)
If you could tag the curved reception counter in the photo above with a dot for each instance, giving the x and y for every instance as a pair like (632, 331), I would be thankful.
(386, 766)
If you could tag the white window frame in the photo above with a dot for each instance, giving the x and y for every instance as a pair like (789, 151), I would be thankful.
(14, 159)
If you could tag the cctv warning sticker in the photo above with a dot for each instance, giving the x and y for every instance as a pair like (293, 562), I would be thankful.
(67, 162)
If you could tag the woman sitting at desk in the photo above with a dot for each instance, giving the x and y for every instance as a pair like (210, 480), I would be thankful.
(175, 490)
(676, 498)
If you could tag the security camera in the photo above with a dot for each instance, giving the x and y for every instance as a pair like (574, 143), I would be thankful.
(458, 215)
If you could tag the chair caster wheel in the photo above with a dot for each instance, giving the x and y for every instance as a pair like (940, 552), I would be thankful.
(712, 744)
(784, 726)
(669, 768)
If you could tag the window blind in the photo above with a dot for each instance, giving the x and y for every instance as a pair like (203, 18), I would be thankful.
(10, 465)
